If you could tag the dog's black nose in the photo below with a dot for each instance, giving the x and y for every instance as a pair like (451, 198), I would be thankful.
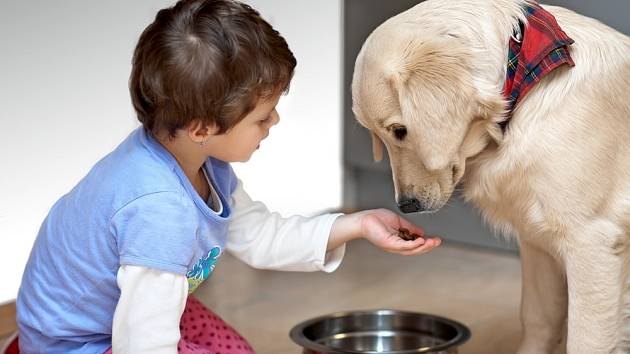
(410, 206)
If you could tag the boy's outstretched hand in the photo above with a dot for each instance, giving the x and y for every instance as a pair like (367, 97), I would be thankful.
(381, 227)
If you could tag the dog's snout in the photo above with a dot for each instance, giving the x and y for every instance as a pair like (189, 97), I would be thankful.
(411, 205)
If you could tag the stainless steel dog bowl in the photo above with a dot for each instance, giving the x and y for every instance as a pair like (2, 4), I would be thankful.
(379, 331)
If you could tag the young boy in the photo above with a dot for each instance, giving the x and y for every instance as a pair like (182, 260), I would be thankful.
(117, 257)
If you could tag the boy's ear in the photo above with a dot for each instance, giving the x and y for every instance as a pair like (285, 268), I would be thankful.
(198, 132)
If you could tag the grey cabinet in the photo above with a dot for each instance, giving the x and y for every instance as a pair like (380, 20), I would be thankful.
(614, 13)
(369, 185)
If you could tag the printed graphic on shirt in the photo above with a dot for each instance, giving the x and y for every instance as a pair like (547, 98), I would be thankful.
(202, 269)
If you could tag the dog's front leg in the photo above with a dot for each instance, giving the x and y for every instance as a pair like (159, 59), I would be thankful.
(543, 301)
(594, 274)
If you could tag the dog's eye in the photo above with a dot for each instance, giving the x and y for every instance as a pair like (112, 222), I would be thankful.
(399, 131)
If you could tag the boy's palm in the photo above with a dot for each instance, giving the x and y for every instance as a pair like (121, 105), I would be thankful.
(381, 228)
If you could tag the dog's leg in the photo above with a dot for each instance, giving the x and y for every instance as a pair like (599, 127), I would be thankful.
(624, 343)
(594, 274)
(543, 302)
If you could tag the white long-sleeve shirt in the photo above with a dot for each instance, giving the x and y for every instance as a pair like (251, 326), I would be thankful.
(148, 321)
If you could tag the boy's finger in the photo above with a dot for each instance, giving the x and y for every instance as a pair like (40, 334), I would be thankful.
(400, 246)
(411, 227)
(430, 244)
(403, 245)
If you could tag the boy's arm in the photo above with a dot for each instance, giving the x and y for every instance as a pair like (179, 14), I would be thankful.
(266, 240)
(148, 312)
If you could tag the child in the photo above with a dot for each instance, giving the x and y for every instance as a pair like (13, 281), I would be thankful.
(117, 257)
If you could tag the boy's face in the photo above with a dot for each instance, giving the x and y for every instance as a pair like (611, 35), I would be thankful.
(240, 142)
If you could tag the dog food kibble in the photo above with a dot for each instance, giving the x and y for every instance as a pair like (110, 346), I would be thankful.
(406, 235)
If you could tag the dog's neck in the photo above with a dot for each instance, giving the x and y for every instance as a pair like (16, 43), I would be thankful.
(490, 47)
(487, 27)
(490, 39)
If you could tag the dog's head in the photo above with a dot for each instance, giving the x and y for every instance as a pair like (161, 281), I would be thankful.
(417, 93)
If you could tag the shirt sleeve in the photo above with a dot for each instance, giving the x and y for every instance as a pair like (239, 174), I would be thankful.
(157, 231)
(148, 312)
(266, 240)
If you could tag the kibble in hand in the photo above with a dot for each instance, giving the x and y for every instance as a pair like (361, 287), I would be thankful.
(406, 235)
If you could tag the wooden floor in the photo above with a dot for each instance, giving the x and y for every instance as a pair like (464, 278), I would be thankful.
(476, 287)
(7, 322)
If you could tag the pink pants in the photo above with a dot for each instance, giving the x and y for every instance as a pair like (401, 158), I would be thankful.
(203, 332)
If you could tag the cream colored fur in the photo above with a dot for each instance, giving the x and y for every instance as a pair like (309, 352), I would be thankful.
(559, 179)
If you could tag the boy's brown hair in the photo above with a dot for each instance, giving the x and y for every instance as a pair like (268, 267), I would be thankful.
(208, 61)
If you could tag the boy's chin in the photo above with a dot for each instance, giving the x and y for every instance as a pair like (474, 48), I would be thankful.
(242, 159)
(231, 159)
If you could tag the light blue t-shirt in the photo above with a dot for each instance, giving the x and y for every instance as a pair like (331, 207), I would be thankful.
(134, 207)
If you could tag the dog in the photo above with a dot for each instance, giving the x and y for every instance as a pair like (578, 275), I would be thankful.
(552, 171)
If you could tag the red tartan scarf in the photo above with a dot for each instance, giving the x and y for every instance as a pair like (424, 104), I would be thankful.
(543, 46)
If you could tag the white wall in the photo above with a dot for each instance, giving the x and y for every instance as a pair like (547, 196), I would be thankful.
(64, 103)
(298, 169)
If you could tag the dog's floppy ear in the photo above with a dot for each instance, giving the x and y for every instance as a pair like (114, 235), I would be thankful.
(377, 147)
(492, 111)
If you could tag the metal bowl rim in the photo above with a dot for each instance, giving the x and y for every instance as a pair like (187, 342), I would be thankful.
(297, 332)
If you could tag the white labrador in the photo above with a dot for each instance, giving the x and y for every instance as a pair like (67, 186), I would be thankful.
(427, 83)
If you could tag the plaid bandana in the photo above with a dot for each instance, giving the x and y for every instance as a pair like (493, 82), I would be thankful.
(542, 48)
